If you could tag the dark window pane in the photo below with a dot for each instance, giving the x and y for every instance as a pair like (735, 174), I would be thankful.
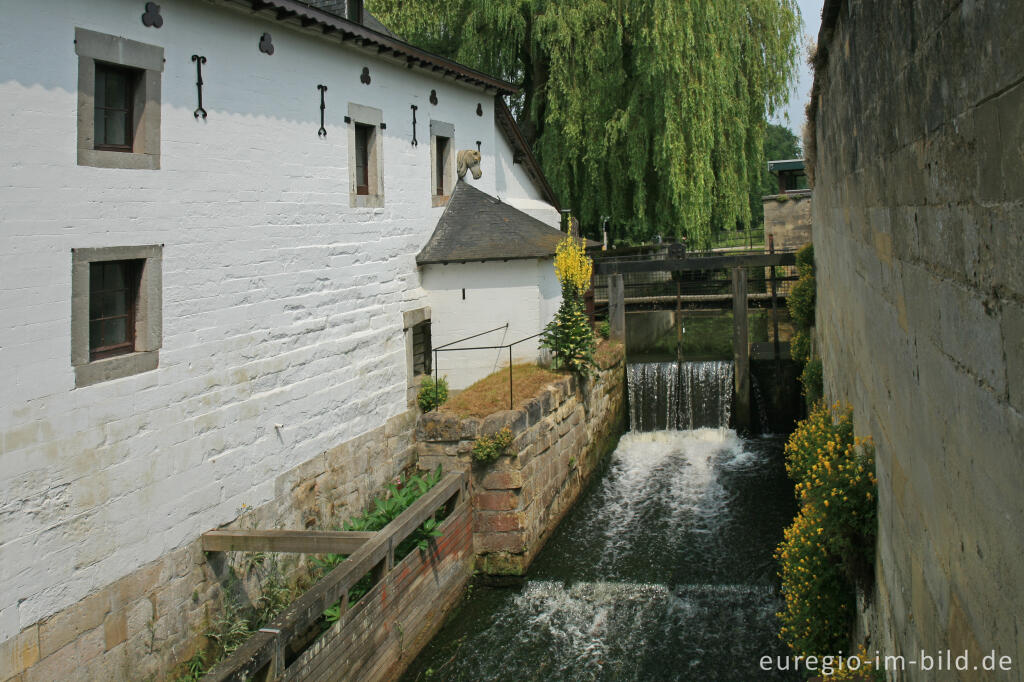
(113, 94)
(364, 135)
(94, 335)
(442, 153)
(114, 331)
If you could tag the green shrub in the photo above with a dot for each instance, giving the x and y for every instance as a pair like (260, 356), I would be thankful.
(829, 548)
(432, 395)
(812, 381)
(802, 301)
(490, 448)
(805, 259)
(800, 346)
(604, 329)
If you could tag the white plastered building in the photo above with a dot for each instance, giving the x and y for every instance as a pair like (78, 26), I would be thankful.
(212, 302)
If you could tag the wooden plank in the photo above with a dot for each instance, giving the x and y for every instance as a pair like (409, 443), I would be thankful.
(246, 661)
(741, 349)
(705, 263)
(297, 541)
(305, 610)
(616, 309)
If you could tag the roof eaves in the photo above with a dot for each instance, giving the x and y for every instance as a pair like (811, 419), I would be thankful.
(508, 125)
(360, 35)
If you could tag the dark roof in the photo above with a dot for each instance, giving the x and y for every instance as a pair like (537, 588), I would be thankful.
(367, 36)
(339, 8)
(521, 152)
(785, 165)
(476, 227)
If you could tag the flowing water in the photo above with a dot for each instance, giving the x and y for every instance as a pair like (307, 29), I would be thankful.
(664, 569)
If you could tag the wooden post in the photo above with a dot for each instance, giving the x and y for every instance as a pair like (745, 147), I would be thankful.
(740, 349)
(775, 315)
(616, 308)
(679, 322)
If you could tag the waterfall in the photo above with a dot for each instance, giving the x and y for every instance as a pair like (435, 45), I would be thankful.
(668, 395)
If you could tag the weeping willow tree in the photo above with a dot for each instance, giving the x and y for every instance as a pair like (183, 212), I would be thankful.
(651, 112)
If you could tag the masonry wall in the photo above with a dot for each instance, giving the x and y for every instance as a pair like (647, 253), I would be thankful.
(787, 217)
(918, 207)
(560, 437)
(282, 330)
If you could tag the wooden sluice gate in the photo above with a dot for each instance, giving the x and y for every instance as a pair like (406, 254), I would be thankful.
(700, 282)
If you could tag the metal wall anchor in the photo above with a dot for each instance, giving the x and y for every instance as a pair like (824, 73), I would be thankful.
(199, 84)
(414, 142)
(323, 131)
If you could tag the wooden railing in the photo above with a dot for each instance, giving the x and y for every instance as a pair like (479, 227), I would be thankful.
(262, 657)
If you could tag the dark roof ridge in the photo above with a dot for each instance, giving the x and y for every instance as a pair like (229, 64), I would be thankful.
(307, 16)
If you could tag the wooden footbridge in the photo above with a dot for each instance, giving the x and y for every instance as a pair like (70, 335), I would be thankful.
(713, 281)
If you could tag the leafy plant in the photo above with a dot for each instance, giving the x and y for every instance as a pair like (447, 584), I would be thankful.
(431, 394)
(604, 329)
(569, 335)
(490, 448)
(385, 509)
(801, 303)
(829, 548)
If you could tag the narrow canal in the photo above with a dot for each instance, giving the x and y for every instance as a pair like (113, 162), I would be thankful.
(664, 569)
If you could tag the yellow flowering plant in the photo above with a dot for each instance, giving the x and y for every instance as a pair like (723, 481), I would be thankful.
(569, 335)
(829, 549)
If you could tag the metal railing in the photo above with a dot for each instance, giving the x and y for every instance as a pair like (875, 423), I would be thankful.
(445, 348)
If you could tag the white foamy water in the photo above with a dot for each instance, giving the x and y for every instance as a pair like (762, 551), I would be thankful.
(666, 395)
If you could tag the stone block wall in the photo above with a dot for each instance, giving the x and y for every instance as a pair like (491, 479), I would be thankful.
(145, 624)
(918, 214)
(787, 217)
(560, 437)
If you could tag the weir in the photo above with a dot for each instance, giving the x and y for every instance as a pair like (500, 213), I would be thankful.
(664, 568)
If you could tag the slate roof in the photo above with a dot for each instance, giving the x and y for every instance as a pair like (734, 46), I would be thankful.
(478, 227)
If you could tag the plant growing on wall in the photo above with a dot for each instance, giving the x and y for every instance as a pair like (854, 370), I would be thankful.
(801, 303)
(490, 448)
(432, 394)
(569, 335)
(829, 549)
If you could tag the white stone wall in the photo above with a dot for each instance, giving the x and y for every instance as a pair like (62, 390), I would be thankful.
(281, 305)
(517, 292)
(513, 186)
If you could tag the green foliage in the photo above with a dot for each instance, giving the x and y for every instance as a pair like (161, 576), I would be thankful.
(812, 381)
(386, 509)
(569, 335)
(604, 329)
(432, 394)
(649, 111)
(490, 448)
(805, 260)
(802, 301)
(800, 346)
(195, 668)
(829, 548)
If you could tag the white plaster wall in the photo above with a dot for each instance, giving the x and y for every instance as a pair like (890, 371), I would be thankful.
(516, 292)
(281, 304)
(514, 186)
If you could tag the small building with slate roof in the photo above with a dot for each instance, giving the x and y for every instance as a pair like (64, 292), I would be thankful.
(488, 266)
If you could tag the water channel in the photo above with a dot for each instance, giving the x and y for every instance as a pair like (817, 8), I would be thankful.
(662, 571)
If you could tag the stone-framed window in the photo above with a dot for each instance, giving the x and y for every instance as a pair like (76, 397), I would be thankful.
(442, 162)
(365, 141)
(118, 101)
(116, 312)
(418, 359)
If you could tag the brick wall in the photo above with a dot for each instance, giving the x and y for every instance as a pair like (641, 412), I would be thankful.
(918, 208)
(560, 437)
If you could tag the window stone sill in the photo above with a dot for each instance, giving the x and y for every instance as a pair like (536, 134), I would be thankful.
(117, 367)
